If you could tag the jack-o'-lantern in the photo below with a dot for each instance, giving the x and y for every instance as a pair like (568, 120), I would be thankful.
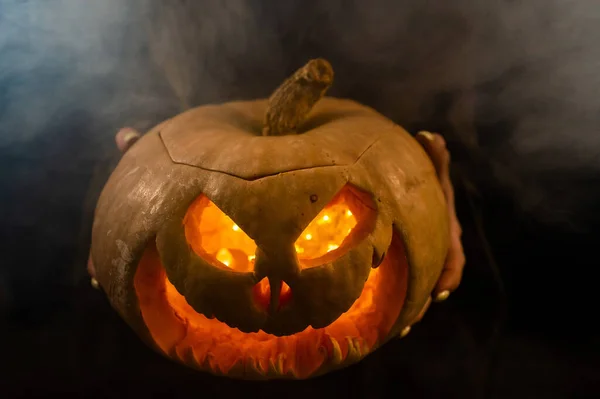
(278, 238)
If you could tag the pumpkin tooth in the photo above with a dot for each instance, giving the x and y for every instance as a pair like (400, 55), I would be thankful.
(276, 366)
(359, 347)
(382, 242)
(272, 370)
(365, 348)
(237, 369)
(253, 366)
(173, 354)
(208, 364)
(336, 356)
(353, 349)
(187, 356)
(378, 257)
(281, 361)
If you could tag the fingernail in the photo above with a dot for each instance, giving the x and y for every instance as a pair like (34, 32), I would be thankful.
(95, 283)
(404, 331)
(442, 296)
(427, 135)
(130, 135)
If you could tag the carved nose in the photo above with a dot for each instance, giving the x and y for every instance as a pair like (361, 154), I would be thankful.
(271, 294)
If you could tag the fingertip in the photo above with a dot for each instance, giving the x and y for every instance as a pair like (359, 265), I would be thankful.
(432, 142)
(435, 139)
(444, 289)
(426, 135)
(449, 281)
(423, 310)
(90, 267)
(405, 331)
(125, 138)
(442, 296)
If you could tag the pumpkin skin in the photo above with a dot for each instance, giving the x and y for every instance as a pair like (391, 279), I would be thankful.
(339, 306)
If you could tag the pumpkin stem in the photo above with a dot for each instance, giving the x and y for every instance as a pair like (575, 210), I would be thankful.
(292, 101)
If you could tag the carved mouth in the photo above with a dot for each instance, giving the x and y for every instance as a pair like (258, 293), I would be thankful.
(209, 344)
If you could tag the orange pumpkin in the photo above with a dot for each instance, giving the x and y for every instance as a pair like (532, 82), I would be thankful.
(278, 238)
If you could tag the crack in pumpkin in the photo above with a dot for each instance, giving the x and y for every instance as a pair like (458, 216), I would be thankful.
(258, 177)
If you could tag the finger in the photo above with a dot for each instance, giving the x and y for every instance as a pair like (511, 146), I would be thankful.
(423, 311)
(92, 272)
(435, 146)
(453, 271)
(125, 138)
(407, 329)
(90, 267)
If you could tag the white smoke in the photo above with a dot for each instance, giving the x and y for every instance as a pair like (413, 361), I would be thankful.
(516, 82)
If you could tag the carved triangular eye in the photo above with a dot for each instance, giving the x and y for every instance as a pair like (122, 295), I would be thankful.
(216, 238)
(336, 228)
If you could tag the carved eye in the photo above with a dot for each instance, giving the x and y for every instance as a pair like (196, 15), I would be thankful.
(216, 238)
(340, 225)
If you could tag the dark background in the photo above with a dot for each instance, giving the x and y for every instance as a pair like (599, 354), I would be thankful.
(512, 85)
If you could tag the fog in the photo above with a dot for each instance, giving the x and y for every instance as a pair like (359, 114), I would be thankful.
(528, 65)
(513, 86)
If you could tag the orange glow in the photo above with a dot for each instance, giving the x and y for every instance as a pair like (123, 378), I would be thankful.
(333, 227)
(326, 232)
(216, 238)
(262, 294)
(204, 343)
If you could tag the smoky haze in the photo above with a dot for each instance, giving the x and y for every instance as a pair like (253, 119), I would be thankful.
(513, 86)
(515, 82)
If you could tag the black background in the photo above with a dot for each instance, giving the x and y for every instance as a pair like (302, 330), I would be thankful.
(511, 85)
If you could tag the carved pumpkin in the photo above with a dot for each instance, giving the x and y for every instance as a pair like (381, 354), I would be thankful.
(277, 246)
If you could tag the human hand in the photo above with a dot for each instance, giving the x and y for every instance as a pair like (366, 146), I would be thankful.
(124, 139)
(435, 146)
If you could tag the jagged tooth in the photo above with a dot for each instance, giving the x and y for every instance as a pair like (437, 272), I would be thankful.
(365, 348)
(276, 366)
(293, 373)
(254, 367)
(336, 357)
(188, 357)
(280, 361)
(172, 353)
(353, 349)
(206, 364)
(272, 371)
(359, 347)
(237, 370)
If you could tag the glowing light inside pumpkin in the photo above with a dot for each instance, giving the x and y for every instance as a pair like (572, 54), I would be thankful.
(207, 343)
(224, 256)
(326, 232)
(262, 293)
(212, 234)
